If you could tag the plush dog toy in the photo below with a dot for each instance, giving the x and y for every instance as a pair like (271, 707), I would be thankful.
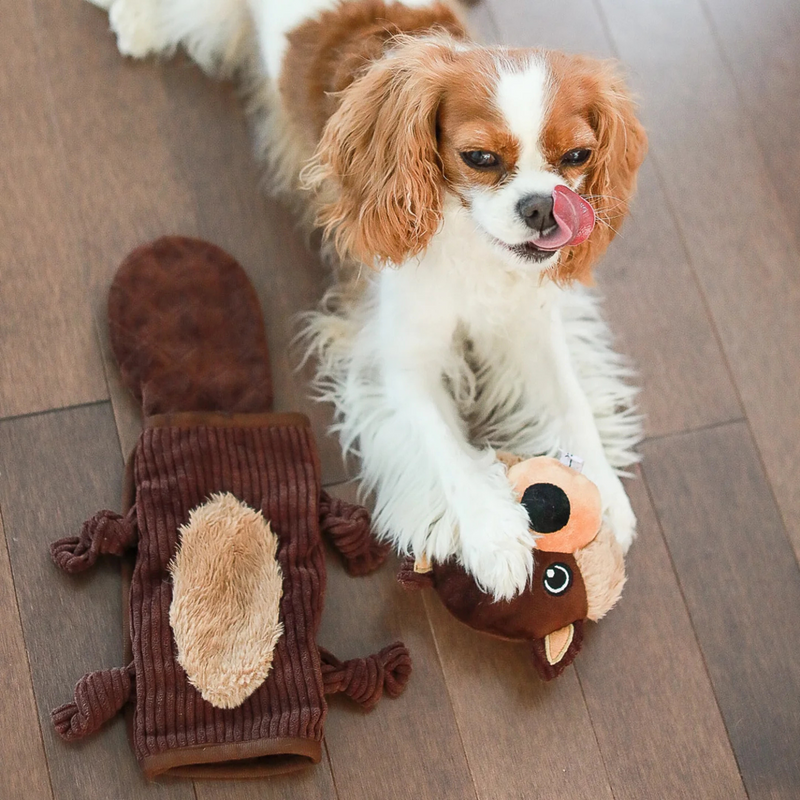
(579, 570)
(225, 508)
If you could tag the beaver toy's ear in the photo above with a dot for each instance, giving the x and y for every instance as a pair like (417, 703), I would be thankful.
(410, 576)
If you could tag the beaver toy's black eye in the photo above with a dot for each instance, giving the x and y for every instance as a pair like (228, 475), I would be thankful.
(547, 506)
(557, 579)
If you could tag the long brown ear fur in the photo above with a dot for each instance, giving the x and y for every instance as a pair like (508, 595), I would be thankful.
(376, 171)
(611, 182)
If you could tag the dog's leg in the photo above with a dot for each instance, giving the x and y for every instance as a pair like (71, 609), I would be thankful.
(536, 354)
(435, 494)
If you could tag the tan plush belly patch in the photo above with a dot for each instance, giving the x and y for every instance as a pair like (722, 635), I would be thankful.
(227, 587)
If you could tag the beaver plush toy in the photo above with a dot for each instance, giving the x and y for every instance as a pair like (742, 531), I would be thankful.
(224, 510)
(579, 571)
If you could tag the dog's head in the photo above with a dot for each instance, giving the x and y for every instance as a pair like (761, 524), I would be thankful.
(499, 130)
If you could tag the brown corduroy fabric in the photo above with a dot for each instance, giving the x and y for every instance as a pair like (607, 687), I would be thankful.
(350, 528)
(268, 461)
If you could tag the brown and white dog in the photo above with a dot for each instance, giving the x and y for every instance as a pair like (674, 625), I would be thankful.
(435, 161)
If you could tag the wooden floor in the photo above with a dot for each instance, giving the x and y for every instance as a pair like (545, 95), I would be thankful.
(691, 688)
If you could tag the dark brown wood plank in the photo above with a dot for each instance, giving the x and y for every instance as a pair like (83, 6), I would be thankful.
(408, 746)
(653, 300)
(523, 738)
(50, 355)
(24, 772)
(761, 44)
(531, 738)
(314, 783)
(57, 469)
(742, 587)
(709, 159)
(652, 705)
(126, 184)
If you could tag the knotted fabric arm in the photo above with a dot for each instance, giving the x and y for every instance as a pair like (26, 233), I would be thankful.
(365, 679)
(349, 528)
(98, 698)
(105, 532)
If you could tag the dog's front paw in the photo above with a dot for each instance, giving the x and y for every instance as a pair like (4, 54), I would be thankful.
(618, 512)
(496, 542)
(136, 26)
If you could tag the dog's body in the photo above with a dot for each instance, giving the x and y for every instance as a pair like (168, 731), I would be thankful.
(426, 152)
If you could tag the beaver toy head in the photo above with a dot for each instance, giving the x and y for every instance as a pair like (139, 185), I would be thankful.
(579, 571)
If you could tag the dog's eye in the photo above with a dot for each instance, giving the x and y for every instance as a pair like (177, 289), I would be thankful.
(576, 157)
(557, 579)
(547, 506)
(481, 159)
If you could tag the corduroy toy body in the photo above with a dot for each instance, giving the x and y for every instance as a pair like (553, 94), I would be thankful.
(187, 332)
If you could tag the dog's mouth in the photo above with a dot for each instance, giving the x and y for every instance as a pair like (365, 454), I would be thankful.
(574, 219)
(529, 251)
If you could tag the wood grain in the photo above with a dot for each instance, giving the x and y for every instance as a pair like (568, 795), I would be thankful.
(408, 746)
(760, 43)
(56, 470)
(126, 182)
(715, 178)
(652, 705)
(653, 301)
(47, 344)
(742, 587)
(315, 783)
(534, 739)
(24, 772)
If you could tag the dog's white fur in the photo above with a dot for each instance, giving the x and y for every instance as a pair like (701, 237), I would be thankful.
(464, 349)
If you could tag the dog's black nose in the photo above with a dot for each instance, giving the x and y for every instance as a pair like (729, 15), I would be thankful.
(537, 211)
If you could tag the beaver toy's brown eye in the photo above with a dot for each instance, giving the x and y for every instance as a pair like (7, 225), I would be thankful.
(557, 579)
(547, 506)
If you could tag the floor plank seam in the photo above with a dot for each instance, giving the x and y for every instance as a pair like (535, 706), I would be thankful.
(697, 641)
(711, 426)
(594, 733)
(726, 63)
(763, 464)
(654, 159)
(449, 696)
(329, 761)
(27, 655)
(31, 414)
(495, 28)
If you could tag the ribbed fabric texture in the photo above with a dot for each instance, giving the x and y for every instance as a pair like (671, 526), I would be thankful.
(349, 528)
(98, 698)
(273, 469)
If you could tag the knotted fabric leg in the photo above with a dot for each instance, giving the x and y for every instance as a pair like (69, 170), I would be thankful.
(98, 698)
(349, 528)
(365, 679)
(106, 532)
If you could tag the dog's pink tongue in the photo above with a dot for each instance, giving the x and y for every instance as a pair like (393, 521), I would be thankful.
(574, 217)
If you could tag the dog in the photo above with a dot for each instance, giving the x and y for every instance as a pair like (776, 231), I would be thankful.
(459, 322)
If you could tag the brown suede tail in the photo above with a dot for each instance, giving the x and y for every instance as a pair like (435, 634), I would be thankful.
(187, 330)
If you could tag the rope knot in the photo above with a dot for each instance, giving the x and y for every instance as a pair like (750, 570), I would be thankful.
(98, 698)
(105, 532)
(349, 527)
(364, 680)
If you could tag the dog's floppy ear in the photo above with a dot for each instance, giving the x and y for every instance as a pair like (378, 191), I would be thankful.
(377, 170)
(611, 181)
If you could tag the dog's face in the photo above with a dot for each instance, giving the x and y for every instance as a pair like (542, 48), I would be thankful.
(499, 130)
